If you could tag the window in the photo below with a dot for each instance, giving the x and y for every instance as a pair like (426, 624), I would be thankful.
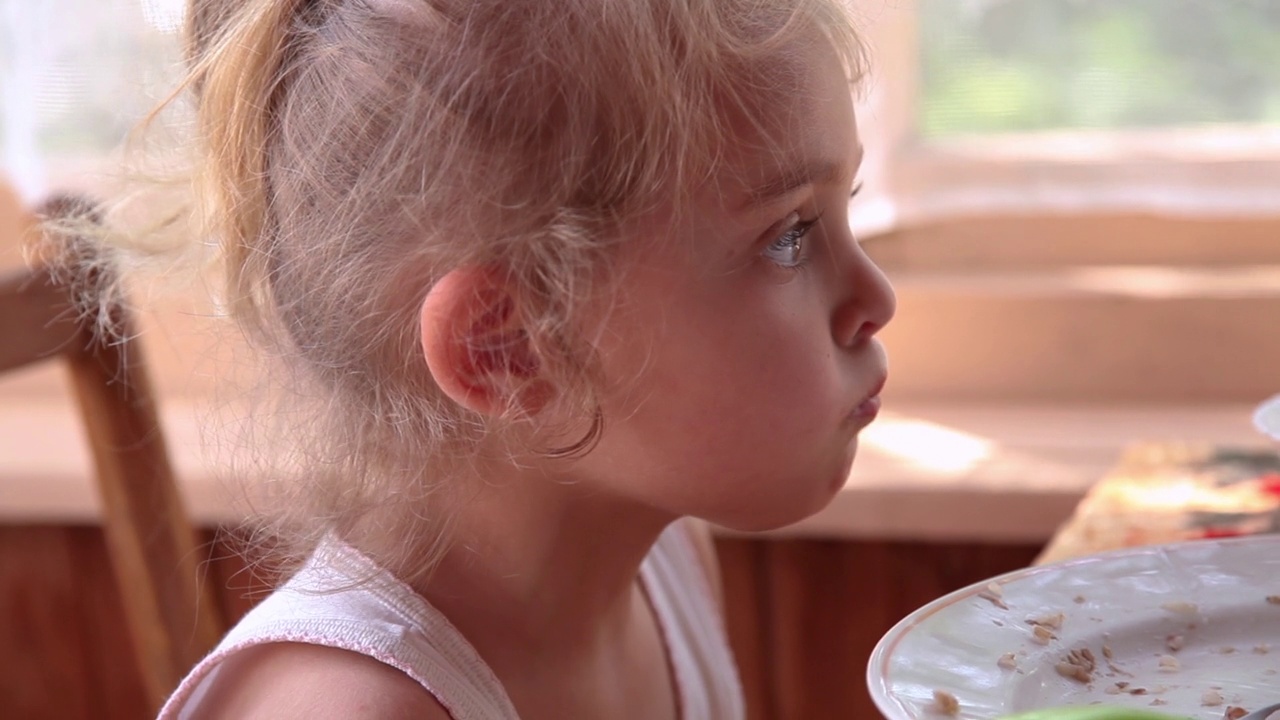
(980, 106)
(999, 66)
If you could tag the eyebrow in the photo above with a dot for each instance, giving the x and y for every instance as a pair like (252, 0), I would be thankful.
(813, 172)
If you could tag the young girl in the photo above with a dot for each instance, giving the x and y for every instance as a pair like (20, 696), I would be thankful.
(551, 276)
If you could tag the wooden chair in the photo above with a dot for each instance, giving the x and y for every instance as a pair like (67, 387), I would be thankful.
(172, 617)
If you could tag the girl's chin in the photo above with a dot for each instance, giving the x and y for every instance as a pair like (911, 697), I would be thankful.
(775, 513)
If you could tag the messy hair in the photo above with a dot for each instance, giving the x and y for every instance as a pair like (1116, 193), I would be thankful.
(353, 152)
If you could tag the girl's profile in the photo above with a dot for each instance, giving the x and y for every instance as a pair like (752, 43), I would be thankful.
(554, 286)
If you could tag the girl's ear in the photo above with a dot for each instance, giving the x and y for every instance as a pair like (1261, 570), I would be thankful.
(475, 348)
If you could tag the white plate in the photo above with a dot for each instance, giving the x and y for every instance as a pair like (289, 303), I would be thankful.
(1267, 418)
(1213, 594)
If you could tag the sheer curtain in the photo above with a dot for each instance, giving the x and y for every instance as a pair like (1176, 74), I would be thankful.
(75, 75)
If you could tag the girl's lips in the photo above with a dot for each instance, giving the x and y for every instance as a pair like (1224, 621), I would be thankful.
(869, 408)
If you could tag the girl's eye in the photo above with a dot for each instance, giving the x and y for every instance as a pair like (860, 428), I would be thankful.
(788, 250)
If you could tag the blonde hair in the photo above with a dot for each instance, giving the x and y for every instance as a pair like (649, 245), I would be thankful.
(351, 152)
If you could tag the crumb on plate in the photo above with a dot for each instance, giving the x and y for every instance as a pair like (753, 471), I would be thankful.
(994, 594)
(1180, 607)
(1042, 634)
(944, 703)
(1077, 665)
(1051, 620)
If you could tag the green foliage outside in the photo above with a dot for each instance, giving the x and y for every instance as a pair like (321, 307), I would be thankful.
(994, 66)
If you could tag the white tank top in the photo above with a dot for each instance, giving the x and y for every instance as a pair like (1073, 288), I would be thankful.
(341, 599)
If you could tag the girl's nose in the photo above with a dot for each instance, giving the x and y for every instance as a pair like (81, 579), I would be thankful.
(868, 302)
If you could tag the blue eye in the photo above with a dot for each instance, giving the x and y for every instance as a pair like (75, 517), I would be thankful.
(788, 250)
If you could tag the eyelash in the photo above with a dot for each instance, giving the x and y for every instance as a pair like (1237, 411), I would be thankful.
(795, 235)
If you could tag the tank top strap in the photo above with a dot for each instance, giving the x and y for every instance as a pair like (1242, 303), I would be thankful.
(676, 581)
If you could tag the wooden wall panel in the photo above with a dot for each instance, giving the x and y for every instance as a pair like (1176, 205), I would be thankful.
(65, 653)
(821, 606)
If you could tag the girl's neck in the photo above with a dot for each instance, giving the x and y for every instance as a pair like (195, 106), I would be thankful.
(545, 569)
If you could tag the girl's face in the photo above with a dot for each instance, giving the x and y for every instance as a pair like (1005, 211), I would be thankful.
(742, 351)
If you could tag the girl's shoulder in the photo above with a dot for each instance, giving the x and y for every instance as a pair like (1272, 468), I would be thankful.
(281, 681)
(341, 638)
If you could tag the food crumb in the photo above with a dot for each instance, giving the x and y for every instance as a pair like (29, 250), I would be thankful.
(1180, 607)
(1077, 665)
(1079, 599)
(1106, 652)
(1261, 649)
(1042, 635)
(1211, 698)
(1226, 650)
(1008, 661)
(1273, 599)
(1169, 663)
(1175, 643)
(945, 703)
(1053, 621)
(1073, 672)
(994, 595)
(1234, 713)
(1159, 701)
